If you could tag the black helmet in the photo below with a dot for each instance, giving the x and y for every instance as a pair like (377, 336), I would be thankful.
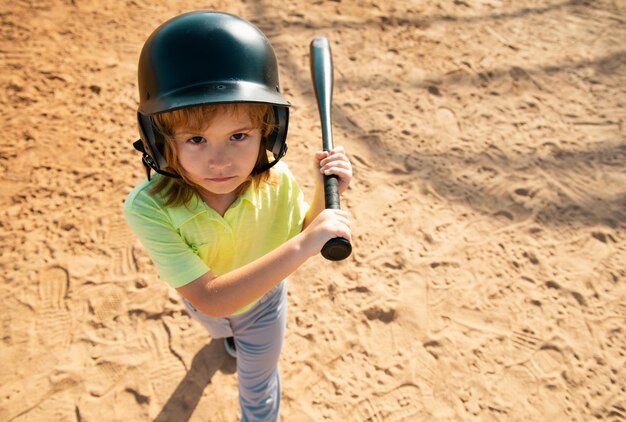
(200, 58)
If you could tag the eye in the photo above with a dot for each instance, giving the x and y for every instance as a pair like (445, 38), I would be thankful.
(196, 140)
(239, 137)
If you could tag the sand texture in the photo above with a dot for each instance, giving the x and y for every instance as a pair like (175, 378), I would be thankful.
(489, 206)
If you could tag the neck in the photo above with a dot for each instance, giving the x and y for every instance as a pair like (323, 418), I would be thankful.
(220, 203)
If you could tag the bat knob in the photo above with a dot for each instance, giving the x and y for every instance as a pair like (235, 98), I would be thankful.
(337, 249)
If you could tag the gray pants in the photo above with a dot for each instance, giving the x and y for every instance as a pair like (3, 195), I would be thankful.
(259, 334)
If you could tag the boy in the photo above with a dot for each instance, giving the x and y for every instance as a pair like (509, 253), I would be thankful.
(223, 225)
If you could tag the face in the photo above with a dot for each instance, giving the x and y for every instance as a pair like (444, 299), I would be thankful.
(220, 157)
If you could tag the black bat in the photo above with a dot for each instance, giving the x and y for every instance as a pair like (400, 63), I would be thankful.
(322, 76)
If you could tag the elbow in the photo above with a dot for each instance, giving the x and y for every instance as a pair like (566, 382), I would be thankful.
(212, 310)
(216, 313)
(198, 295)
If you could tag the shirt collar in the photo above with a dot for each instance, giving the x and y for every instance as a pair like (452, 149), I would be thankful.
(182, 214)
(251, 195)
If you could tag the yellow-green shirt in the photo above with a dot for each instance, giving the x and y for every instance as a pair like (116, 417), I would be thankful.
(184, 243)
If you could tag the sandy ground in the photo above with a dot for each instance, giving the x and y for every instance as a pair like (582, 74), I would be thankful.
(489, 202)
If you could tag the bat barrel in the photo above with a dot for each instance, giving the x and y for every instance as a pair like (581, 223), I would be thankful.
(322, 76)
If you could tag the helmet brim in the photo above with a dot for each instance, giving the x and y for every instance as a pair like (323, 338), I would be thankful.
(214, 93)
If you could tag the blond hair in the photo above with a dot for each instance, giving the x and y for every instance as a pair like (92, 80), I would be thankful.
(177, 192)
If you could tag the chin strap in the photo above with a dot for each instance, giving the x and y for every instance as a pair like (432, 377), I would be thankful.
(149, 163)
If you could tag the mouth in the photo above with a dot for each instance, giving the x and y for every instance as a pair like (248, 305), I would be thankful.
(220, 179)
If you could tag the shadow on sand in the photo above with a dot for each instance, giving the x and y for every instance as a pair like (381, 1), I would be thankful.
(210, 359)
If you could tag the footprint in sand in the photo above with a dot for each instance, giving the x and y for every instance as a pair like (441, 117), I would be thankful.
(106, 376)
(401, 404)
(524, 342)
(548, 361)
(54, 320)
(120, 239)
(108, 301)
(170, 369)
(482, 321)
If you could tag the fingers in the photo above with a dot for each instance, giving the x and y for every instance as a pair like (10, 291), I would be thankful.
(334, 162)
(337, 153)
(340, 222)
(320, 155)
(344, 232)
(340, 169)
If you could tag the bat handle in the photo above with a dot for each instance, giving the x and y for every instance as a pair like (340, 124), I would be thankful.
(338, 248)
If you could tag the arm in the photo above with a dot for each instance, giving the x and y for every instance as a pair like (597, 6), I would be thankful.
(223, 295)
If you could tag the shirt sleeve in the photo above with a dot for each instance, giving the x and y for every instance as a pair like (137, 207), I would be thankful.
(175, 260)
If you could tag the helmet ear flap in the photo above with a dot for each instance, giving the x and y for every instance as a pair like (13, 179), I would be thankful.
(153, 141)
(277, 140)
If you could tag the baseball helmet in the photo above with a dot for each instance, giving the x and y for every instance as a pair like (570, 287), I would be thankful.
(206, 57)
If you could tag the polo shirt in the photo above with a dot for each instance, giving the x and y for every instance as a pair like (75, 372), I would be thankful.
(185, 242)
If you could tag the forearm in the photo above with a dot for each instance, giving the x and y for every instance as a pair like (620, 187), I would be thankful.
(223, 295)
(317, 204)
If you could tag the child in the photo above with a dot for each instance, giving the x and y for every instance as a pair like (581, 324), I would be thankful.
(223, 225)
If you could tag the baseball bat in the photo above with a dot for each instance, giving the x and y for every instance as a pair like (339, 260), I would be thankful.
(337, 248)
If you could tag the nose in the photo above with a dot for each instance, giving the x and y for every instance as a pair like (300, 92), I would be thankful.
(219, 159)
